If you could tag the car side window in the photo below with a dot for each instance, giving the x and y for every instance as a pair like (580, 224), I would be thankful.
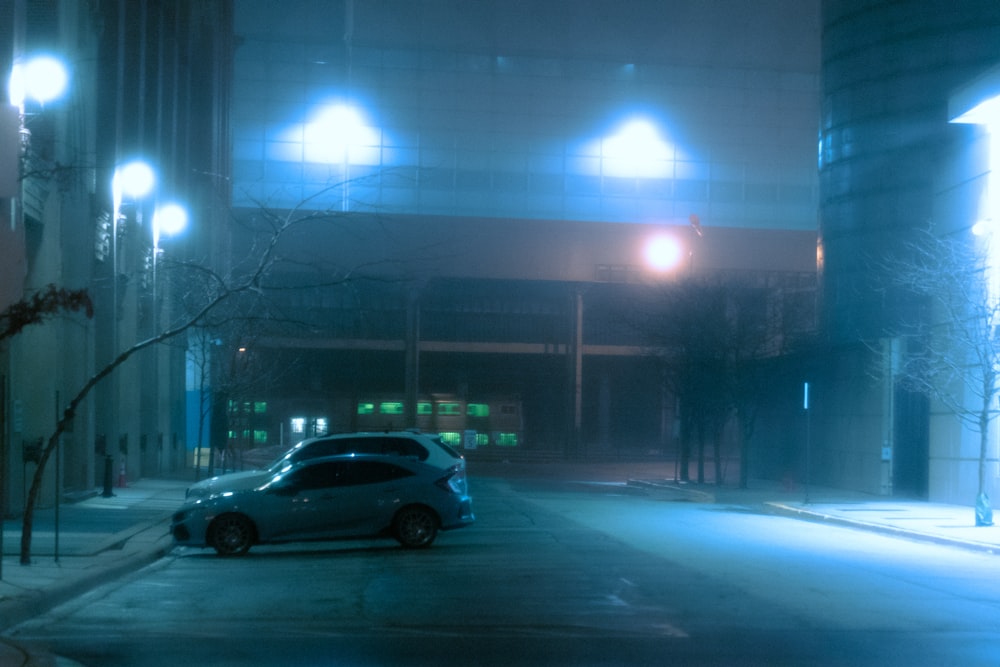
(404, 447)
(316, 449)
(371, 472)
(319, 476)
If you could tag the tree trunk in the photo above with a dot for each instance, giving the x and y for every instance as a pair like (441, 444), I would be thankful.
(984, 512)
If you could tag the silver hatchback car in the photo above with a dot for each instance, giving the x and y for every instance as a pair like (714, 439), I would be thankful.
(326, 498)
(424, 447)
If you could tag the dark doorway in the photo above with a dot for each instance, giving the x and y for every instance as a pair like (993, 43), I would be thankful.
(911, 452)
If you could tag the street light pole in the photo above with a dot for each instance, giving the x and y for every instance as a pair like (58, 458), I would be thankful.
(134, 179)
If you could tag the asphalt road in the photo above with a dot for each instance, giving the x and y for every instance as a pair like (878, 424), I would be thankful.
(554, 573)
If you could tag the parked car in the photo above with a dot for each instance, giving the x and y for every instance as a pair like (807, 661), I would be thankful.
(332, 497)
(424, 447)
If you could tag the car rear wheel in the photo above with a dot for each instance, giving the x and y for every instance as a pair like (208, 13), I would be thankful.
(231, 535)
(415, 527)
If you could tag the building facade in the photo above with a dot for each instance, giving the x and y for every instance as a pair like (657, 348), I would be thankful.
(520, 159)
(893, 165)
(145, 81)
(476, 191)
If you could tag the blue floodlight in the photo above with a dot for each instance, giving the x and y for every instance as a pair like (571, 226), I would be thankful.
(339, 133)
(636, 149)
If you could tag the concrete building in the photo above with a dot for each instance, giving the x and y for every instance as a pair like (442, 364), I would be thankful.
(509, 159)
(892, 164)
(474, 189)
(144, 82)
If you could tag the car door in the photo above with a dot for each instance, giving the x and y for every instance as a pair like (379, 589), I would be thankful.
(298, 505)
(344, 498)
(366, 496)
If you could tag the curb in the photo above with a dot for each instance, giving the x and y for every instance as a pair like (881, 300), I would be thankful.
(673, 491)
(819, 517)
(37, 602)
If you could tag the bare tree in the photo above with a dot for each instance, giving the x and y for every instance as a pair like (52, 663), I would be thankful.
(42, 305)
(952, 343)
(211, 299)
(711, 335)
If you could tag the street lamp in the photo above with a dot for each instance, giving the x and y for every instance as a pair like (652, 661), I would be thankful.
(42, 78)
(168, 220)
(134, 179)
(663, 253)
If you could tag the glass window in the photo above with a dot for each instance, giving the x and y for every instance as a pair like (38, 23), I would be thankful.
(404, 447)
(478, 410)
(507, 440)
(391, 408)
(318, 476)
(371, 472)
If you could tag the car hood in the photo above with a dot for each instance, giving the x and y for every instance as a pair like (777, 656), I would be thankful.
(234, 481)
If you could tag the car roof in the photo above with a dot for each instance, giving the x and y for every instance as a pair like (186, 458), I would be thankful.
(374, 434)
(400, 461)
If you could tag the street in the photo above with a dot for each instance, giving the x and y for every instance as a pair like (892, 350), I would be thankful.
(553, 573)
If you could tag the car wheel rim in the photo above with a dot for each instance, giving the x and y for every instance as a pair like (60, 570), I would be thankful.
(417, 527)
(232, 535)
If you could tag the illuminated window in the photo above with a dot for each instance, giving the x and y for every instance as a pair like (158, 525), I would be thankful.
(453, 438)
(260, 437)
(298, 424)
(260, 407)
(449, 409)
(478, 410)
(391, 408)
(425, 408)
(322, 426)
(507, 440)
(366, 408)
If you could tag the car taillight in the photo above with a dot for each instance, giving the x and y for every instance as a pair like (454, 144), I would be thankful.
(454, 481)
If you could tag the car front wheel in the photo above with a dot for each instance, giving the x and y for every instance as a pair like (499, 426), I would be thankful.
(231, 535)
(415, 527)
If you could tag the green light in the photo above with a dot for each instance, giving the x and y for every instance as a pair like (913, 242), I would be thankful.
(452, 438)
(507, 440)
(478, 410)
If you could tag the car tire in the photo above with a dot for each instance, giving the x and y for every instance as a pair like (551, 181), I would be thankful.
(415, 527)
(231, 534)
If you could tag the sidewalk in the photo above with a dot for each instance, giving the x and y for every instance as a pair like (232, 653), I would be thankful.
(101, 539)
(952, 525)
